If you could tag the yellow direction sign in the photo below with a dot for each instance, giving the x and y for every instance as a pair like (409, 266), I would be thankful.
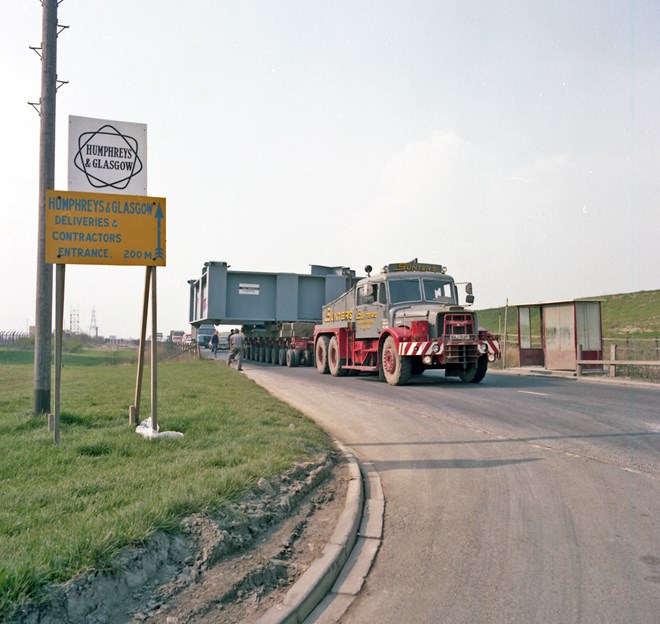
(102, 228)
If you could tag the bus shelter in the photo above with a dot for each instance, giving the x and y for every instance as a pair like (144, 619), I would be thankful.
(555, 334)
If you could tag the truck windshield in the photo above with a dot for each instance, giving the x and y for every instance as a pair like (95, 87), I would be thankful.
(437, 290)
(404, 290)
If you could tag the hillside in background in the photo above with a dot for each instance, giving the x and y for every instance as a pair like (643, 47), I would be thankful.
(628, 315)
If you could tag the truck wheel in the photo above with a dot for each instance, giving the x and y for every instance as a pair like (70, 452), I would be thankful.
(275, 355)
(282, 357)
(396, 368)
(482, 367)
(334, 359)
(321, 354)
(469, 374)
(291, 358)
(418, 366)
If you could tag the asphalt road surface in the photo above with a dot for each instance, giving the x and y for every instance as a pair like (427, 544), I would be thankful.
(521, 499)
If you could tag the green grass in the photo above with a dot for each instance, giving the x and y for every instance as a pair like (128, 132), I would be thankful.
(71, 507)
(88, 357)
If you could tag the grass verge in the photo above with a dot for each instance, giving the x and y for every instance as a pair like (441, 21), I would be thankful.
(71, 507)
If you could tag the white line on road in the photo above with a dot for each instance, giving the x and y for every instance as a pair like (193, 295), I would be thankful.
(536, 393)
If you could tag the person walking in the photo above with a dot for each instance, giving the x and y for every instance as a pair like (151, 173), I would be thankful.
(236, 345)
(215, 341)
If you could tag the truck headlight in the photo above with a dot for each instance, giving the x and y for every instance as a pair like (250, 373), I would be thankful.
(435, 348)
(483, 347)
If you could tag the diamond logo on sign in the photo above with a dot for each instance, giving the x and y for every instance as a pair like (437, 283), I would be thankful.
(107, 156)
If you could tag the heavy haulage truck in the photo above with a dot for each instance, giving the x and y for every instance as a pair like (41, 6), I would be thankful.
(399, 323)
(396, 323)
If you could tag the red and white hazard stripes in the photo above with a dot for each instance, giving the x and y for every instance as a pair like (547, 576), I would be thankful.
(426, 347)
(421, 348)
(493, 347)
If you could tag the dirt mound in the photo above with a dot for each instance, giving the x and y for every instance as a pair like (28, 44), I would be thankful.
(228, 568)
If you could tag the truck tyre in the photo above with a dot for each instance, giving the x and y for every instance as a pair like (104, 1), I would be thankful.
(469, 373)
(418, 367)
(321, 355)
(292, 358)
(396, 368)
(275, 355)
(482, 367)
(334, 358)
(282, 357)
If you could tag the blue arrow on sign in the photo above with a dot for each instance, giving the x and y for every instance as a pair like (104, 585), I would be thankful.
(159, 249)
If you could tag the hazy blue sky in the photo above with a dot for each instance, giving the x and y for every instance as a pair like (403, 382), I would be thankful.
(515, 141)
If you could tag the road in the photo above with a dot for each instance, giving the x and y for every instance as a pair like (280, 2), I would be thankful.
(521, 499)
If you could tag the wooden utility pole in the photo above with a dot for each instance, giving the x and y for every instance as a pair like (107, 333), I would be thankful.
(44, 300)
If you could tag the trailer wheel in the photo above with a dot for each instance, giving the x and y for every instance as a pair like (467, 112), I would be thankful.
(396, 368)
(307, 357)
(334, 359)
(321, 355)
(292, 358)
(482, 367)
(282, 357)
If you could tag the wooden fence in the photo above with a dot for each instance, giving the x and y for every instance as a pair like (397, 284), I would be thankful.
(613, 362)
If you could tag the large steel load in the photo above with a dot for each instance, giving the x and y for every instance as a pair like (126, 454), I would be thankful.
(397, 323)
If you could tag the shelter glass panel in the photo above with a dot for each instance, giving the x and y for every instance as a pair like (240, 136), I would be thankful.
(588, 325)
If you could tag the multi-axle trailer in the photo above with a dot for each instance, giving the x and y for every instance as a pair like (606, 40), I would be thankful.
(396, 323)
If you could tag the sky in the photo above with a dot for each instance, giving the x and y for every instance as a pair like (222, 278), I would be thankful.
(514, 141)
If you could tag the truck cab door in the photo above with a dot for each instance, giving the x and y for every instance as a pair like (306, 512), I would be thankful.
(371, 311)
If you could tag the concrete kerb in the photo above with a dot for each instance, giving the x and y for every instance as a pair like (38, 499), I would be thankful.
(329, 585)
(571, 376)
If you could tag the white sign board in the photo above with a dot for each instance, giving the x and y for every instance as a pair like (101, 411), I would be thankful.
(248, 289)
(107, 156)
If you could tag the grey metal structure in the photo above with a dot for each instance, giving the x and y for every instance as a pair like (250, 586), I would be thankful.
(221, 296)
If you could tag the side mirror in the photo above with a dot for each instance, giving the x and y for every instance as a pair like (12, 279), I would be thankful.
(468, 288)
(469, 299)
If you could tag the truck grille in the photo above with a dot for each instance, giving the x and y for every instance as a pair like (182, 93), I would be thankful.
(458, 329)
(460, 354)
